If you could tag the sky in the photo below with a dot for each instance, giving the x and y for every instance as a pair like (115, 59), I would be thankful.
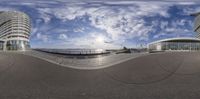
(106, 24)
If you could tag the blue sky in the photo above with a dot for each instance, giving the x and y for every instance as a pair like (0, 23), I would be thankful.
(104, 24)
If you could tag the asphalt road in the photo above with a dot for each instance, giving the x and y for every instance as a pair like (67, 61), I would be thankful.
(155, 76)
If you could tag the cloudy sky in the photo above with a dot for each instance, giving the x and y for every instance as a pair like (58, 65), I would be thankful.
(106, 23)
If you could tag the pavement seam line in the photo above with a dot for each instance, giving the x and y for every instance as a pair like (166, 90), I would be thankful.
(86, 67)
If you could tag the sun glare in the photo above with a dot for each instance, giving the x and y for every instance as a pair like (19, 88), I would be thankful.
(99, 39)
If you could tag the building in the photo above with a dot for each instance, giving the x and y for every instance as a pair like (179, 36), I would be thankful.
(14, 30)
(175, 44)
(197, 23)
(179, 44)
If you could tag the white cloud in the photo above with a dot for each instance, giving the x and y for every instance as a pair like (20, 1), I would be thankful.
(187, 3)
(34, 30)
(121, 24)
(80, 29)
(159, 35)
(163, 24)
(44, 14)
(128, 2)
(190, 10)
(8, 9)
(63, 36)
(42, 37)
(174, 28)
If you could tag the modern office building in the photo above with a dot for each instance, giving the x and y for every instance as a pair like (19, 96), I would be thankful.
(179, 44)
(197, 23)
(175, 44)
(14, 30)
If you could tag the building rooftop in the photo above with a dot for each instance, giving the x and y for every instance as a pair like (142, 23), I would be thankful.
(195, 14)
(177, 39)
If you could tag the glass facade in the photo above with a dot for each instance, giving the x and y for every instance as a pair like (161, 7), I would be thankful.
(1, 45)
(176, 45)
(180, 46)
(197, 25)
(17, 45)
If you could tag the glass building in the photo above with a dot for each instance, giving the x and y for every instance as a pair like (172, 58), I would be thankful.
(197, 23)
(179, 44)
(175, 44)
(14, 30)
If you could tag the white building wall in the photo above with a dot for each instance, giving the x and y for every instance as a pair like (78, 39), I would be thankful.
(16, 26)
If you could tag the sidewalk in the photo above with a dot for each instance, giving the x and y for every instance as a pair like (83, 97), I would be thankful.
(88, 63)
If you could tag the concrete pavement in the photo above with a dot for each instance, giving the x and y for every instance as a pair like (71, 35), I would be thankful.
(98, 62)
(155, 76)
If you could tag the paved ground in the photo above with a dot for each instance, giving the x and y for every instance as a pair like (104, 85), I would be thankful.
(155, 76)
(84, 63)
